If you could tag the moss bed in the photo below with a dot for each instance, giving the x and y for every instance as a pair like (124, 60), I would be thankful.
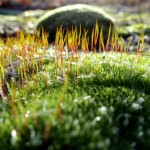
(64, 96)
(100, 101)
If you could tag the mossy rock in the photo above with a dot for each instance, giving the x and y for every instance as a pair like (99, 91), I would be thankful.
(73, 16)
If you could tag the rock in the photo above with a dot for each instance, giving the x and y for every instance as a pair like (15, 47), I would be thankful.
(9, 30)
(72, 16)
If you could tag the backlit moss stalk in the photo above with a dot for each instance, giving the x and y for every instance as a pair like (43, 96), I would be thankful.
(94, 38)
(59, 49)
(114, 43)
(85, 42)
(101, 40)
(22, 54)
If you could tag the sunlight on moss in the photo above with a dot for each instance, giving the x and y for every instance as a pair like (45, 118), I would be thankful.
(57, 96)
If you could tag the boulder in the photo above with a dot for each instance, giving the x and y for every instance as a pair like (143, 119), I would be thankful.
(73, 16)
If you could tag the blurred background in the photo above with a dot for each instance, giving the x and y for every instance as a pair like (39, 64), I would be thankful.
(47, 4)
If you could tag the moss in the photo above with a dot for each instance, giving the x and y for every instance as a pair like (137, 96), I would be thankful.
(136, 28)
(106, 107)
(73, 100)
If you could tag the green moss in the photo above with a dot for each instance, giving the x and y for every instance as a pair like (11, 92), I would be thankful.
(107, 107)
(136, 28)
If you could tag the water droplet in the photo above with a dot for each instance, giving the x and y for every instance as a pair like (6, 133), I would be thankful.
(141, 100)
(75, 100)
(87, 97)
(140, 134)
(136, 106)
(13, 136)
(27, 114)
(13, 133)
(103, 109)
(98, 118)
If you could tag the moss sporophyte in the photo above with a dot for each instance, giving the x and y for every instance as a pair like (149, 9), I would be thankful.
(65, 94)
